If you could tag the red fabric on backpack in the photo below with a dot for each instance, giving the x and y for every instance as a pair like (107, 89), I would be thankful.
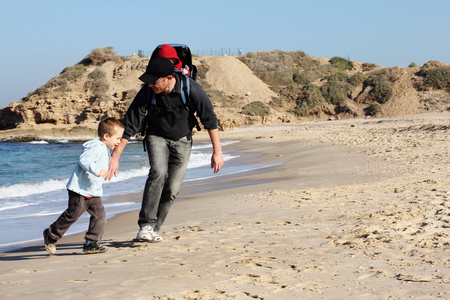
(168, 51)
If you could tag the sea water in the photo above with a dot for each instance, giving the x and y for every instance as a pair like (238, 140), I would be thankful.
(33, 179)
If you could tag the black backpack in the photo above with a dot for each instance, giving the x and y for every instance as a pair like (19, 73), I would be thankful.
(184, 54)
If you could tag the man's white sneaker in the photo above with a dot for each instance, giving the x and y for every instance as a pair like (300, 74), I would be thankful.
(157, 237)
(145, 233)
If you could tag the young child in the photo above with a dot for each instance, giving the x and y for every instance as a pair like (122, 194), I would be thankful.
(169, 52)
(85, 189)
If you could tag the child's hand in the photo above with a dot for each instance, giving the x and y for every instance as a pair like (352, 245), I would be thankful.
(104, 174)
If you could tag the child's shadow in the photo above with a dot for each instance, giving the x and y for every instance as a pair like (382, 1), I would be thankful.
(39, 252)
(62, 249)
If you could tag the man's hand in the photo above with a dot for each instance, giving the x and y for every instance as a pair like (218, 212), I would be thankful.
(217, 161)
(113, 168)
(217, 157)
(114, 162)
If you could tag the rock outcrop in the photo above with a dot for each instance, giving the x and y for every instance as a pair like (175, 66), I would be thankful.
(98, 87)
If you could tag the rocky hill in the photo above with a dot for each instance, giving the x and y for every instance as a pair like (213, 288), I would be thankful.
(261, 87)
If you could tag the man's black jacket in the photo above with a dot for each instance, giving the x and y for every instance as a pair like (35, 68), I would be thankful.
(169, 117)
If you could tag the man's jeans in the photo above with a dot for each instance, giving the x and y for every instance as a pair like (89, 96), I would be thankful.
(168, 163)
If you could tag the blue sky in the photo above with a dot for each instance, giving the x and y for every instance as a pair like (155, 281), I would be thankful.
(38, 38)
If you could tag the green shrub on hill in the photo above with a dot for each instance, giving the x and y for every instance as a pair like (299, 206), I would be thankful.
(334, 92)
(276, 68)
(310, 75)
(99, 56)
(300, 77)
(336, 89)
(256, 108)
(357, 79)
(381, 90)
(339, 76)
(341, 64)
(373, 109)
(72, 73)
(437, 78)
(310, 97)
(97, 74)
(97, 82)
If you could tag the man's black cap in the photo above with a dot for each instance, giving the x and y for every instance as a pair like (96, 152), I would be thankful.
(157, 67)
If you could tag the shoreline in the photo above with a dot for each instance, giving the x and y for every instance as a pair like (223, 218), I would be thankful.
(358, 209)
(245, 158)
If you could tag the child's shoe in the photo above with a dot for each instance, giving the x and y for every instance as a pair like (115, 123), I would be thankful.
(49, 243)
(93, 247)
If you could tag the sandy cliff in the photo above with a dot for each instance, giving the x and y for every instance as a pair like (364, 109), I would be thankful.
(70, 104)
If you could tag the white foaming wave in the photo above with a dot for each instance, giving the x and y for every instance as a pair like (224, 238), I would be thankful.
(35, 214)
(38, 214)
(38, 142)
(197, 160)
(208, 145)
(125, 175)
(28, 189)
(204, 159)
(14, 205)
(202, 146)
(228, 143)
(118, 204)
(51, 142)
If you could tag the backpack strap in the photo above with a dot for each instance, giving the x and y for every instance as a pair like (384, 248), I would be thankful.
(185, 96)
(185, 88)
(185, 92)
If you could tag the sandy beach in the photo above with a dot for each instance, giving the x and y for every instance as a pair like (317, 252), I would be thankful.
(356, 209)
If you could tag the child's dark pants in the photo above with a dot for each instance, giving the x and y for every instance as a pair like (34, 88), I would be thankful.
(78, 204)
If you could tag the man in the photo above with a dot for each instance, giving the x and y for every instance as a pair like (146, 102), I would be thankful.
(168, 139)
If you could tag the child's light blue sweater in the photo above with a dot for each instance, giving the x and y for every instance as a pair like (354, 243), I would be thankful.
(85, 180)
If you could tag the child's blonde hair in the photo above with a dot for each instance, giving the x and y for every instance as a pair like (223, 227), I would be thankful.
(109, 126)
